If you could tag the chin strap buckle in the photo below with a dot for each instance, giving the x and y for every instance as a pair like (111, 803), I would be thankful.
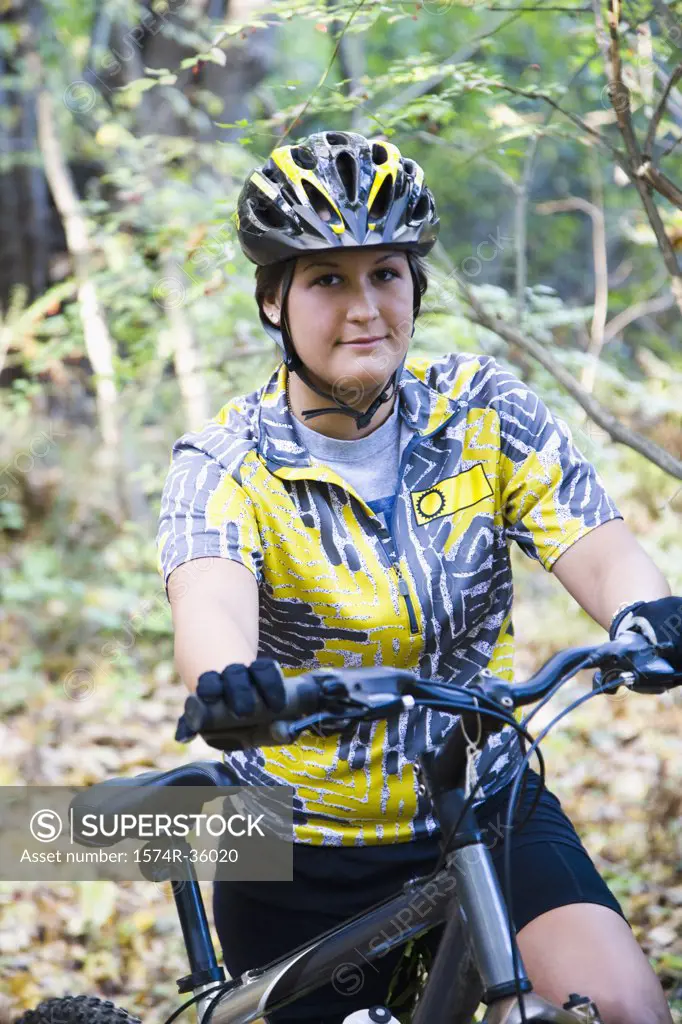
(583, 1008)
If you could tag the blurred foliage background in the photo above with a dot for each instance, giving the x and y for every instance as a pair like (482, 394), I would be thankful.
(127, 317)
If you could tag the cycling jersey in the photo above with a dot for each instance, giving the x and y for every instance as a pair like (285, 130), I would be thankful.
(369, 464)
(486, 464)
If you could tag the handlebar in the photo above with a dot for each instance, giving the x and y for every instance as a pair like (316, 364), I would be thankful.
(331, 699)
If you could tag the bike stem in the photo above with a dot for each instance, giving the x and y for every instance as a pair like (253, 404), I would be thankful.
(478, 890)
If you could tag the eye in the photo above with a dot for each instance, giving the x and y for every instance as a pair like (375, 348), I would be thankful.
(324, 280)
(389, 270)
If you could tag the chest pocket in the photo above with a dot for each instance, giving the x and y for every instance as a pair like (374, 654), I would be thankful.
(451, 495)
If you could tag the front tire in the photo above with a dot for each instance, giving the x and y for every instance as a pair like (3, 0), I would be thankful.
(77, 1010)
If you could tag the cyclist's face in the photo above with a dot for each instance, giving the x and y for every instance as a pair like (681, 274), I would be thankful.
(337, 298)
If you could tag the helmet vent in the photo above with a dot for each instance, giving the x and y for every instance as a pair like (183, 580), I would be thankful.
(268, 215)
(379, 154)
(304, 157)
(337, 139)
(409, 166)
(348, 173)
(319, 202)
(382, 200)
(421, 210)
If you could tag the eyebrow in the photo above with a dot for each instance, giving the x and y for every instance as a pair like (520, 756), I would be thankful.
(333, 263)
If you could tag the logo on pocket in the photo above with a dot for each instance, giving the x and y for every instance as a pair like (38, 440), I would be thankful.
(451, 495)
(430, 503)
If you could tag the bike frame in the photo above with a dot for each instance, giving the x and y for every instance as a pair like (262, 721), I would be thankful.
(474, 959)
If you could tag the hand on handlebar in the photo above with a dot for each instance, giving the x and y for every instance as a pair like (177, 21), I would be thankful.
(241, 690)
(660, 622)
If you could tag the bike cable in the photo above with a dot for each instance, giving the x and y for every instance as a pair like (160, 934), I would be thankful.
(523, 736)
(471, 799)
(519, 780)
(217, 991)
(513, 799)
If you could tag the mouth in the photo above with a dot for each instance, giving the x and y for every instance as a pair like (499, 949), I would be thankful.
(364, 342)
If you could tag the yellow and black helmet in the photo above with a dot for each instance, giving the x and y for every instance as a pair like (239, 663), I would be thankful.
(335, 190)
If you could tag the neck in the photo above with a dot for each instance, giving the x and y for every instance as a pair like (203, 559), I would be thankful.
(334, 424)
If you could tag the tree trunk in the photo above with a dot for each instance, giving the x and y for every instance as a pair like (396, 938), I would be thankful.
(186, 353)
(24, 202)
(98, 344)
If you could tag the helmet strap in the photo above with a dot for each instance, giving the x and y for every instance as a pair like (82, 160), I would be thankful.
(362, 419)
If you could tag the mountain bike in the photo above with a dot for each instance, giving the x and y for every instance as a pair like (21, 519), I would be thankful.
(477, 958)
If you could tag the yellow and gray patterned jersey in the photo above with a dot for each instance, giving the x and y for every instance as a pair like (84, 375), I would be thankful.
(486, 464)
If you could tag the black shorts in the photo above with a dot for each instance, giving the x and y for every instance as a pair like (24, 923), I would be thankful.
(260, 921)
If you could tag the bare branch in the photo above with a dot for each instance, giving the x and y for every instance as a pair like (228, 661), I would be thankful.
(531, 94)
(638, 309)
(671, 147)
(325, 74)
(540, 352)
(658, 112)
(663, 185)
(521, 192)
(601, 288)
(476, 155)
(418, 89)
(521, 228)
(674, 105)
(344, 57)
(641, 172)
(616, 430)
(186, 358)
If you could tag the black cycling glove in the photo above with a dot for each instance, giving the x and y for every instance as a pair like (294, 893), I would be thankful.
(659, 622)
(239, 686)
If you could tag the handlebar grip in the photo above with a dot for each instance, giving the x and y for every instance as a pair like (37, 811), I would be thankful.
(222, 729)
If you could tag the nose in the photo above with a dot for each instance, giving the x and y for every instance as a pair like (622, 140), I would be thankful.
(363, 306)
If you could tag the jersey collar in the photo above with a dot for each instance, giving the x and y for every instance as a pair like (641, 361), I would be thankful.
(422, 407)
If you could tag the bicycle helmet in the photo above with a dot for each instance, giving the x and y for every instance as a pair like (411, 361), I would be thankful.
(334, 190)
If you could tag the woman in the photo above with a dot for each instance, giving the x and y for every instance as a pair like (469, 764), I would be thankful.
(357, 510)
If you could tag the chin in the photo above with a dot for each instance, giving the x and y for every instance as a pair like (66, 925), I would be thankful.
(360, 379)
(376, 364)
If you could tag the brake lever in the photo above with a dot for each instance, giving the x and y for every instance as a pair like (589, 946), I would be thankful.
(645, 670)
(329, 722)
(360, 683)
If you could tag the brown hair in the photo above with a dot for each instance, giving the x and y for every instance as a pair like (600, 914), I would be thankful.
(268, 279)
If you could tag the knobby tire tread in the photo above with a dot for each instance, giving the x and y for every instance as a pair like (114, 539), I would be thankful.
(77, 1010)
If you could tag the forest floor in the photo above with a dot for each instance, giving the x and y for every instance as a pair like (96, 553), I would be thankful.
(614, 763)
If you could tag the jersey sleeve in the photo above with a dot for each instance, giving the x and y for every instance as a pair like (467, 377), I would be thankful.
(204, 512)
(551, 494)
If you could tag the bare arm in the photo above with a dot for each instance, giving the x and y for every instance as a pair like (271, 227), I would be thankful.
(214, 602)
(608, 568)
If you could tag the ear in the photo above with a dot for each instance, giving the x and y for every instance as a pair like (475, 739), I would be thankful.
(272, 306)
